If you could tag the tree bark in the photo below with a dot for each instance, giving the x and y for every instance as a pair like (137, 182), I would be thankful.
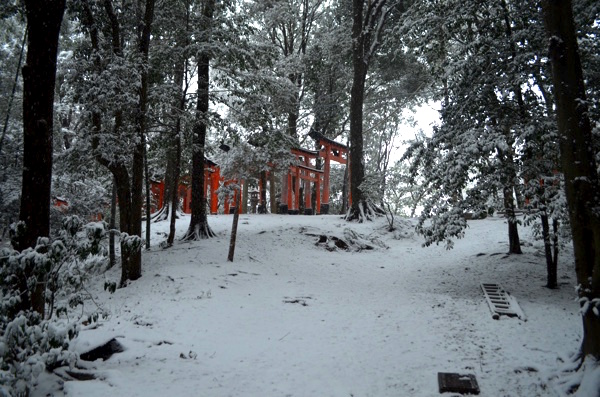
(234, 226)
(175, 150)
(112, 225)
(551, 268)
(357, 97)
(199, 227)
(148, 197)
(39, 74)
(578, 164)
(132, 268)
(262, 208)
(514, 243)
(367, 22)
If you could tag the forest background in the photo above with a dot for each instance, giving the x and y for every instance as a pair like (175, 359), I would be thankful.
(101, 97)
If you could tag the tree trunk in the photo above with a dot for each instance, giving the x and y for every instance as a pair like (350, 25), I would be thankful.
(367, 23)
(555, 242)
(514, 243)
(199, 227)
(132, 268)
(233, 238)
(175, 152)
(293, 118)
(344, 206)
(174, 198)
(112, 226)
(357, 97)
(551, 271)
(129, 214)
(578, 164)
(508, 179)
(148, 196)
(39, 73)
(262, 208)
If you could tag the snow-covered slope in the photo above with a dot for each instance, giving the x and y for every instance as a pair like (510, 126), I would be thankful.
(290, 317)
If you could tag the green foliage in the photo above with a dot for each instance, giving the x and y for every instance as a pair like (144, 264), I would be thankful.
(29, 343)
(497, 133)
(28, 346)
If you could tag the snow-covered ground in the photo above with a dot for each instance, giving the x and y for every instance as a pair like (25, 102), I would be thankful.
(292, 318)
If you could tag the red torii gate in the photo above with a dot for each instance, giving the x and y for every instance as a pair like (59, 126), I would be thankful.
(212, 179)
(332, 151)
(303, 172)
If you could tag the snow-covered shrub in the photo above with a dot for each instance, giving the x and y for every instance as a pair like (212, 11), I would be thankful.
(28, 346)
(30, 342)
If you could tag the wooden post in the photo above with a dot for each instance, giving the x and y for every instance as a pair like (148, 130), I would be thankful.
(236, 217)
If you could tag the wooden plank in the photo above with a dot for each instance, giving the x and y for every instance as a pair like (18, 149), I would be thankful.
(457, 383)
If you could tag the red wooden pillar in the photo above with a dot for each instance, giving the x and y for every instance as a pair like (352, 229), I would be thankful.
(326, 172)
(290, 202)
(214, 185)
(307, 196)
(318, 191)
(161, 195)
(297, 190)
(157, 191)
(187, 201)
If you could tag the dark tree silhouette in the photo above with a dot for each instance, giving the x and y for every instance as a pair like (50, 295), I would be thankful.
(44, 18)
(578, 164)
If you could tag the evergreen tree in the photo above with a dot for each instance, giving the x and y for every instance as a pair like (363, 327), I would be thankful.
(116, 98)
(483, 61)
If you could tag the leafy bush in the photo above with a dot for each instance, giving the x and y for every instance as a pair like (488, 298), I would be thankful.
(30, 342)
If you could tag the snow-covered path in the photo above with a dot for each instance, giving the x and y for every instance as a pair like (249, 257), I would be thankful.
(289, 318)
